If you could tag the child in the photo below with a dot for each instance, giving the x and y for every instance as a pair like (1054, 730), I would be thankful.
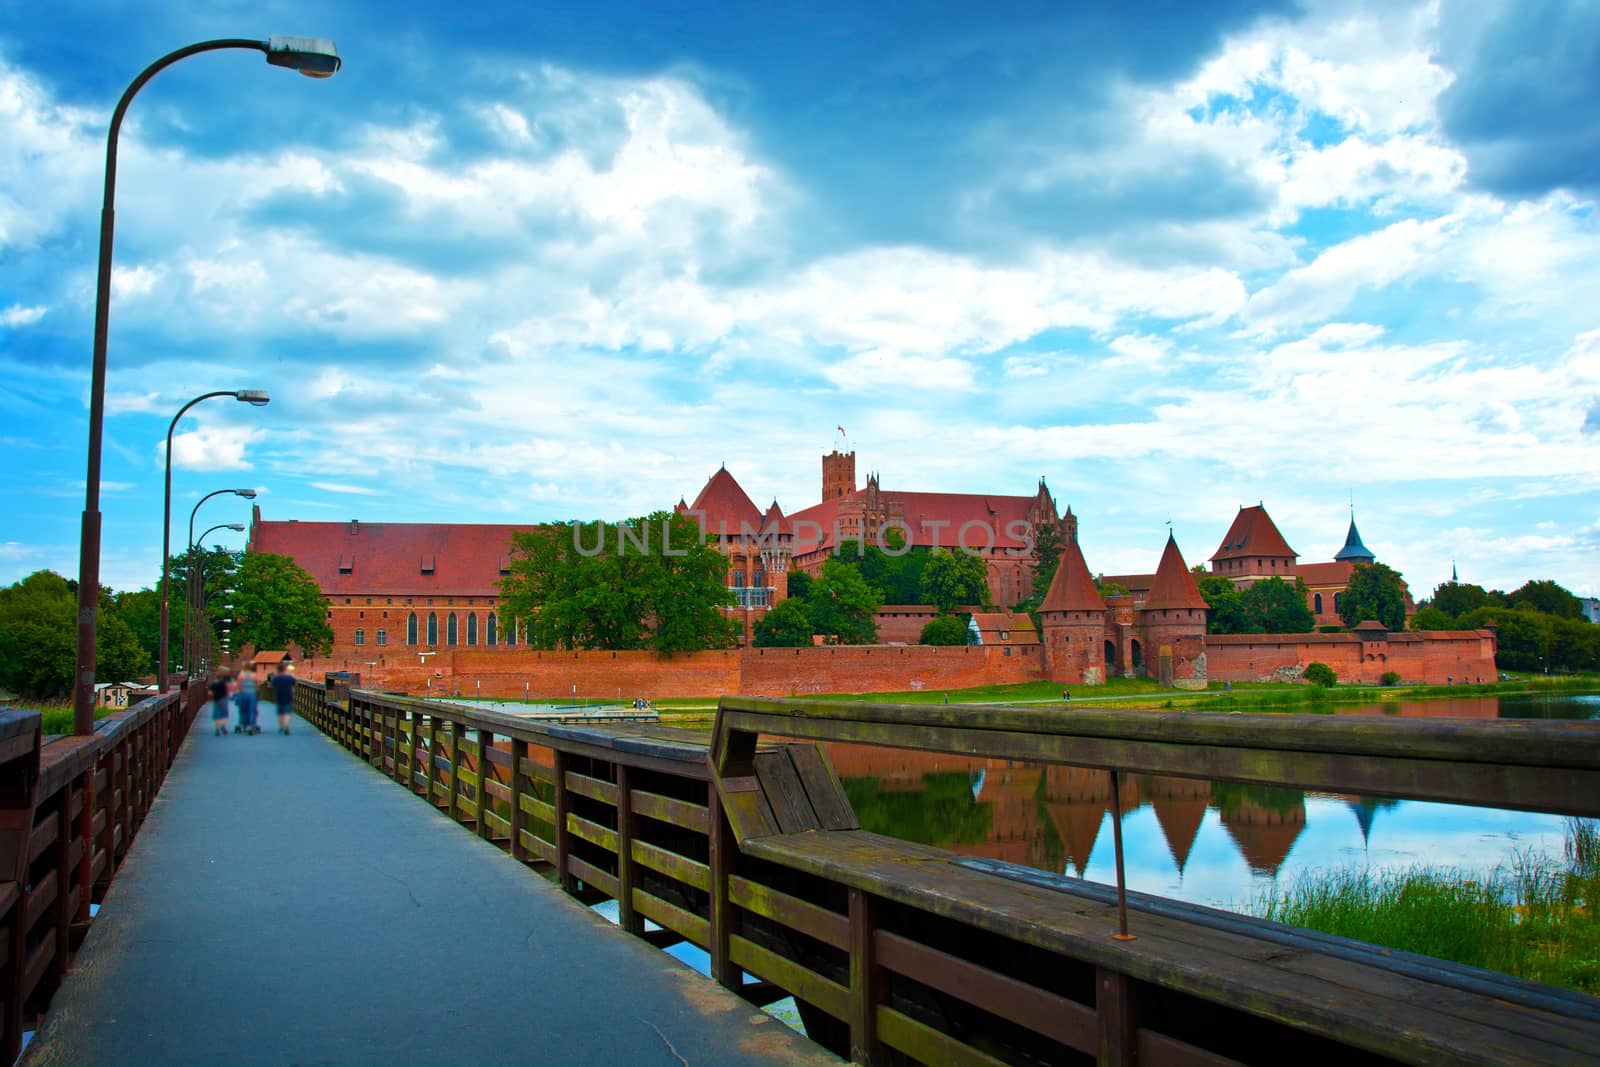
(219, 705)
(245, 697)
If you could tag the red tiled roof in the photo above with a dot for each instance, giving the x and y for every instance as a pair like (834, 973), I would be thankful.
(724, 508)
(999, 522)
(773, 523)
(1133, 583)
(1015, 624)
(1174, 586)
(393, 558)
(1253, 533)
(1325, 575)
(1072, 588)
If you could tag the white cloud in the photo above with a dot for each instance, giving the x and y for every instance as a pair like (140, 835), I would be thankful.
(18, 315)
(212, 448)
(347, 489)
(880, 367)
(128, 283)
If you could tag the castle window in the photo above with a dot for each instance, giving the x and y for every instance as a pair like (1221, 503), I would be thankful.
(489, 630)
(451, 635)
(411, 628)
(383, 637)
(361, 637)
(472, 628)
(1316, 604)
(433, 629)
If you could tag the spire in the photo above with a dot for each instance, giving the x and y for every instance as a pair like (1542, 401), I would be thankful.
(1173, 586)
(1453, 579)
(1354, 551)
(1072, 588)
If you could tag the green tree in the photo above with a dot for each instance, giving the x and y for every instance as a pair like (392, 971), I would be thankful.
(277, 603)
(651, 582)
(1456, 598)
(1274, 606)
(842, 604)
(1375, 592)
(1522, 637)
(39, 636)
(799, 584)
(1105, 588)
(954, 577)
(946, 630)
(1046, 557)
(1431, 618)
(1574, 644)
(1547, 597)
(1227, 605)
(1321, 674)
(785, 626)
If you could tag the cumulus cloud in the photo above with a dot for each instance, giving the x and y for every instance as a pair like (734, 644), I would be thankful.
(18, 315)
(212, 448)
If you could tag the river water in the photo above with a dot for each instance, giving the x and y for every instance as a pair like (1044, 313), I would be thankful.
(1211, 843)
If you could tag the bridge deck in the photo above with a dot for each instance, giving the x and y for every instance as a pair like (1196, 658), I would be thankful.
(283, 904)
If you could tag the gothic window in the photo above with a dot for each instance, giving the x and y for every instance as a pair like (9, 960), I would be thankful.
(451, 634)
(411, 628)
(1316, 604)
(361, 637)
(433, 629)
(472, 628)
(738, 579)
(383, 637)
(489, 630)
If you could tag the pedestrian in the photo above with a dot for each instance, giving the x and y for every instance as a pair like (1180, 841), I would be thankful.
(244, 696)
(283, 695)
(219, 705)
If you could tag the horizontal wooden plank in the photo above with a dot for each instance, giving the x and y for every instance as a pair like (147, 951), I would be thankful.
(829, 927)
(498, 756)
(592, 832)
(501, 827)
(498, 790)
(539, 772)
(539, 847)
(685, 923)
(670, 810)
(40, 897)
(594, 788)
(539, 809)
(1056, 1017)
(826, 994)
(927, 1045)
(686, 870)
(592, 875)
(1159, 1050)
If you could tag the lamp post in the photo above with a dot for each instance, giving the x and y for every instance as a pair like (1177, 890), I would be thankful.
(312, 57)
(199, 586)
(254, 397)
(189, 598)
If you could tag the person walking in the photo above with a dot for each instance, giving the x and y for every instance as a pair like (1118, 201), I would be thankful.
(283, 695)
(219, 705)
(245, 697)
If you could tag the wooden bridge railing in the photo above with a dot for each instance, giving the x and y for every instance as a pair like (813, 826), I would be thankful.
(900, 953)
(69, 807)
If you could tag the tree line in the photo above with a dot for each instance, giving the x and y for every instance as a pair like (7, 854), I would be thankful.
(1539, 626)
(258, 598)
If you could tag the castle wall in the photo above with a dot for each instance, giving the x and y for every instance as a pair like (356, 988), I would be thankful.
(1433, 657)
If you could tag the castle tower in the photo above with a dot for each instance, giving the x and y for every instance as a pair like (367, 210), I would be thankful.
(1171, 626)
(1073, 620)
(838, 474)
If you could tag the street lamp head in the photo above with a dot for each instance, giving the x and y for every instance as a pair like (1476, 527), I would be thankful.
(315, 57)
(256, 397)
(236, 526)
(248, 494)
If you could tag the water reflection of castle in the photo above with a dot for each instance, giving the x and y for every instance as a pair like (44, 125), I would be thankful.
(1050, 817)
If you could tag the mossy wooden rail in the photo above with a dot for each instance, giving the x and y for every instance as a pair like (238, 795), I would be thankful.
(69, 808)
(900, 953)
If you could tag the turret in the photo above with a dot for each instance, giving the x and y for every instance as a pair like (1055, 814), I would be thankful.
(1172, 624)
(1073, 622)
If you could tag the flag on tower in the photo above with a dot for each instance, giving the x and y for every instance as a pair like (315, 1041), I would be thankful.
(841, 431)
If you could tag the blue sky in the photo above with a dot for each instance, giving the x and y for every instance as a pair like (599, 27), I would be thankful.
(523, 262)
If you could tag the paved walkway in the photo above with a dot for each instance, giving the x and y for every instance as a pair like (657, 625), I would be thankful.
(285, 904)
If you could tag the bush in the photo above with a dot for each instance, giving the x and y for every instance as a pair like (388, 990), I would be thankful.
(1321, 674)
(1333, 629)
(1390, 678)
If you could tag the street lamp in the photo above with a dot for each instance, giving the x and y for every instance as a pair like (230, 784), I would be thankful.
(311, 56)
(253, 397)
(189, 597)
(199, 586)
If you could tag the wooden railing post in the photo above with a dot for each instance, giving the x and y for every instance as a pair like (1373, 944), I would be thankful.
(866, 980)
(86, 835)
(480, 753)
(453, 795)
(563, 805)
(724, 852)
(1119, 1032)
(520, 785)
(627, 871)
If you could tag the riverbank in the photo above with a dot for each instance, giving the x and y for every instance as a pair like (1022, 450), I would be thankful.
(1536, 918)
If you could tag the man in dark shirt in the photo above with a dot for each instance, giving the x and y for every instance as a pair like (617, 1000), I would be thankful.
(283, 693)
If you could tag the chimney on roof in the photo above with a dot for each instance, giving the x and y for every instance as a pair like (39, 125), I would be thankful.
(355, 527)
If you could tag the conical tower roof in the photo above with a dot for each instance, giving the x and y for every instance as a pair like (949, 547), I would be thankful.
(1354, 551)
(1173, 586)
(1180, 818)
(1072, 588)
(723, 507)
